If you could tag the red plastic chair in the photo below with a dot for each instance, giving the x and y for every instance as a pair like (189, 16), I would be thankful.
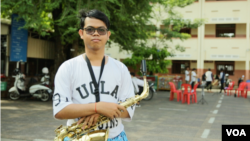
(186, 93)
(230, 88)
(247, 89)
(241, 89)
(194, 94)
(173, 90)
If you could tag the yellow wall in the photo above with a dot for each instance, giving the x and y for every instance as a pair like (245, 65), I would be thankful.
(4, 29)
(40, 49)
(114, 52)
(194, 31)
(234, 47)
(226, 11)
(191, 49)
(240, 29)
(193, 65)
(189, 12)
(240, 65)
(210, 29)
(209, 65)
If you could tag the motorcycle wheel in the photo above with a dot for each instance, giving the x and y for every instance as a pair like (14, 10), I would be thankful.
(45, 97)
(150, 95)
(14, 96)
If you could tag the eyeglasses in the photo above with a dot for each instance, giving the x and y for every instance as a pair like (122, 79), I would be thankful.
(91, 30)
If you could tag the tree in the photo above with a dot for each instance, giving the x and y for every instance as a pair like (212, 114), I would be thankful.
(155, 50)
(58, 19)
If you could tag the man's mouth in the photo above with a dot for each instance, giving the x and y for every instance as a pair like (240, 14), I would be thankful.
(95, 40)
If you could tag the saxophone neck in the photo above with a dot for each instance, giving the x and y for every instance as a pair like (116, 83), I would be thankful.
(144, 94)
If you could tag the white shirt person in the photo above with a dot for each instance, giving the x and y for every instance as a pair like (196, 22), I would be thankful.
(187, 77)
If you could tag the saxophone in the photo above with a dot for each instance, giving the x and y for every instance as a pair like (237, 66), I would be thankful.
(76, 133)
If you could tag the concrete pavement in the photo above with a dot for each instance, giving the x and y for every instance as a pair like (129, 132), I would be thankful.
(156, 120)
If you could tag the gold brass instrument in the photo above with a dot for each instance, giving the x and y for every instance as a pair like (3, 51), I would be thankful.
(76, 133)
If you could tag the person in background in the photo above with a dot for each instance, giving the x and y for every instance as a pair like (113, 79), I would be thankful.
(187, 77)
(216, 80)
(193, 77)
(226, 80)
(209, 79)
(222, 80)
(240, 80)
(136, 82)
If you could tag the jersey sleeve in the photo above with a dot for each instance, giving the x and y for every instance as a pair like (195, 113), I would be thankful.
(127, 91)
(194, 74)
(62, 93)
(140, 82)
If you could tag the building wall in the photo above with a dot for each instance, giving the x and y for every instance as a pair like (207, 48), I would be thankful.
(204, 47)
(241, 30)
(225, 11)
(40, 49)
(4, 29)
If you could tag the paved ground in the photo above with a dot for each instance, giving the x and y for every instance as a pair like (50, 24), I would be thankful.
(157, 120)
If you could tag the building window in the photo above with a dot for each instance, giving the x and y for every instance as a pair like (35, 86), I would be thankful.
(225, 30)
(185, 30)
(179, 67)
(228, 67)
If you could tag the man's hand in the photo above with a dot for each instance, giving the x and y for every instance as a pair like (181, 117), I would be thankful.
(111, 110)
(89, 120)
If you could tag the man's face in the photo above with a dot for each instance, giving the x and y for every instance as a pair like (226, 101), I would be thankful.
(94, 41)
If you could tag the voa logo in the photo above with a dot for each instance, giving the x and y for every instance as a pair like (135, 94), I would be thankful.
(236, 132)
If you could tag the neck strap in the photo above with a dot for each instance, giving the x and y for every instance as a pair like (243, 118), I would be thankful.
(96, 91)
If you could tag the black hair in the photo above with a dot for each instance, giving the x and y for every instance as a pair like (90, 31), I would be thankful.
(83, 14)
(187, 67)
(209, 69)
(131, 73)
(193, 69)
(221, 69)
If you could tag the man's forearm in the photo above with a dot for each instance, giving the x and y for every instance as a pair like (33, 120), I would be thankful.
(76, 110)
(125, 114)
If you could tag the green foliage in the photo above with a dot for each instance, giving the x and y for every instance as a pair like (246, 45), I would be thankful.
(128, 17)
(155, 58)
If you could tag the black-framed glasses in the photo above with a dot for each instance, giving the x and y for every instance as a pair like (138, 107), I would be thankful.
(100, 30)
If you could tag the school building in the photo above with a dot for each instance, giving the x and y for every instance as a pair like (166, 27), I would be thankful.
(222, 42)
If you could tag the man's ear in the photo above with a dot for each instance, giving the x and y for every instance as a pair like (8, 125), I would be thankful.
(109, 33)
(80, 32)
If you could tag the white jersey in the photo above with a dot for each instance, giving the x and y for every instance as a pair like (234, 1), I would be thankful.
(73, 84)
(187, 75)
(209, 76)
(137, 82)
(193, 78)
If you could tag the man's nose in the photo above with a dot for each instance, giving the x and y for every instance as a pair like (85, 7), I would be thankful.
(96, 33)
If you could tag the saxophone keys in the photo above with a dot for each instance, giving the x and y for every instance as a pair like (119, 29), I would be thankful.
(78, 131)
(71, 134)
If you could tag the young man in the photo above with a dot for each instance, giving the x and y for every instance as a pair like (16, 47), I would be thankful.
(222, 80)
(193, 77)
(240, 80)
(209, 79)
(187, 77)
(137, 82)
(76, 96)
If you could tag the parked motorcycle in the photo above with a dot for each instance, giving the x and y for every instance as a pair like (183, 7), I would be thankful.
(151, 93)
(39, 90)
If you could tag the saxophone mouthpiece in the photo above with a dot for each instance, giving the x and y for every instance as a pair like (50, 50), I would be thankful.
(143, 67)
